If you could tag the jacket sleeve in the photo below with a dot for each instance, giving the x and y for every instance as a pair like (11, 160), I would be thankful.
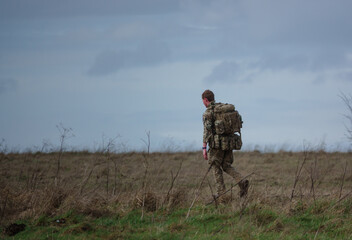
(207, 123)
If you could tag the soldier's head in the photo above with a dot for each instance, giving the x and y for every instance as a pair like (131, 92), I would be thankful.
(207, 97)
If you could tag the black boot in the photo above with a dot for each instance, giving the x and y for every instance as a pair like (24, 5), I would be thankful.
(244, 185)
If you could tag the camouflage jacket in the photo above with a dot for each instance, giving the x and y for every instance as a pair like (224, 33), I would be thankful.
(208, 123)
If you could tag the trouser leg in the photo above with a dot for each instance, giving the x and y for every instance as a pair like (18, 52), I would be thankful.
(215, 159)
(220, 185)
(233, 173)
(226, 166)
(222, 161)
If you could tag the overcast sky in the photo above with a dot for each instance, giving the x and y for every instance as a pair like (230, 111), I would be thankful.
(112, 68)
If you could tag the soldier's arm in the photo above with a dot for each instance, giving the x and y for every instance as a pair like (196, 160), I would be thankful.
(207, 123)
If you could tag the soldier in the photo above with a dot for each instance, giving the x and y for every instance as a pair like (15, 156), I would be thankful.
(219, 159)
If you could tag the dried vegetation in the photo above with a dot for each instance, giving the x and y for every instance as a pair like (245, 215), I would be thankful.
(100, 184)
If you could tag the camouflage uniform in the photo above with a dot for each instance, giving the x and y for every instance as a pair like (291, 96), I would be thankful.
(221, 160)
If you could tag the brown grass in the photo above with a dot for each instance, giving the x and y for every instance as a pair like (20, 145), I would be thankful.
(27, 181)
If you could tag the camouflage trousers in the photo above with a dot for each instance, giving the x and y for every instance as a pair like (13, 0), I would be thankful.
(221, 162)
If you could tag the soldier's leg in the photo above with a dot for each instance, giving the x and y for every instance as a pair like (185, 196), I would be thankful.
(215, 157)
(220, 185)
(226, 166)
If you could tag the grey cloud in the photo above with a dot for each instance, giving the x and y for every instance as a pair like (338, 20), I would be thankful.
(231, 72)
(313, 23)
(108, 62)
(210, 13)
(226, 71)
(147, 54)
(276, 62)
(320, 79)
(299, 30)
(7, 85)
(345, 76)
(73, 8)
(325, 60)
(314, 62)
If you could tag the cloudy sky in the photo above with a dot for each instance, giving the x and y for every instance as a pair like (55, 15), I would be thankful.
(112, 68)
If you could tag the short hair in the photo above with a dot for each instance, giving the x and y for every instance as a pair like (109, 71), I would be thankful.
(208, 95)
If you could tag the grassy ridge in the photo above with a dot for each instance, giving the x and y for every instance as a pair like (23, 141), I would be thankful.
(147, 196)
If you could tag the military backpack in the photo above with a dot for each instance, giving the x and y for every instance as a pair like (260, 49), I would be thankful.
(227, 124)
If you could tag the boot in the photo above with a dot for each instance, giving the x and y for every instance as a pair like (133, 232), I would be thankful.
(244, 185)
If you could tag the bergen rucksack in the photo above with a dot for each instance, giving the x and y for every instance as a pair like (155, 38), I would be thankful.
(227, 124)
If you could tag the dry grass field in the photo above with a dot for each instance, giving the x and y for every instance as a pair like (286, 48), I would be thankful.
(107, 184)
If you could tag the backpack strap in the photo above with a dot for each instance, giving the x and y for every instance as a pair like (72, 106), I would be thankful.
(213, 118)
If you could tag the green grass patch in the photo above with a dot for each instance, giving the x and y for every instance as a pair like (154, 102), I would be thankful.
(257, 221)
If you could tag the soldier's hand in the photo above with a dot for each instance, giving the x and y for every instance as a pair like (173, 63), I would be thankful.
(205, 154)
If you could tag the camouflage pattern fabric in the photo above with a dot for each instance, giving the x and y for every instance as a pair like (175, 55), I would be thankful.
(220, 122)
(221, 161)
(208, 123)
